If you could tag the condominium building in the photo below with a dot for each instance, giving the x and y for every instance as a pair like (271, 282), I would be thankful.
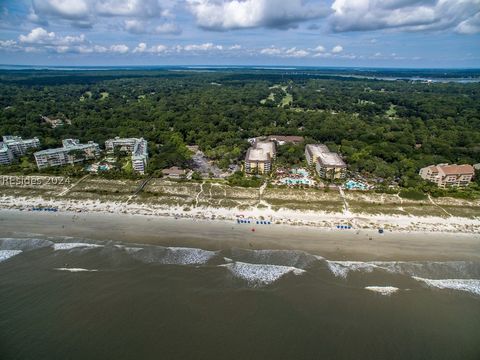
(260, 157)
(312, 152)
(328, 164)
(6, 156)
(448, 175)
(19, 146)
(72, 152)
(285, 139)
(137, 147)
(140, 156)
(123, 144)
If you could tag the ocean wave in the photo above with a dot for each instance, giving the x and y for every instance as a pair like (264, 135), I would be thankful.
(70, 246)
(75, 269)
(383, 290)
(294, 258)
(468, 285)
(260, 274)
(7, 254)
(171, 255)
(23, 244)
(431, 269)
(342, 268)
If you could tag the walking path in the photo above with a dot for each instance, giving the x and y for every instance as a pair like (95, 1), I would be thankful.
(65, 192)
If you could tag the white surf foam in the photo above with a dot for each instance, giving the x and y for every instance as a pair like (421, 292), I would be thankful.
(171, 255)
(75, 269)
(383, 290)
(260, 274)
(69, 246)
(342, 268)
(7, 254)
(187, 256)
(469, 285)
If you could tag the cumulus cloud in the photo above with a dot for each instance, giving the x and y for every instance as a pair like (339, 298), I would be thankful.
(85, 13)
(294, 52)
(134, 26)
(41, 36)
(271, 51)
(139, 8)
(285, 52)
(37, 36)
(168, 28)
(67, 9)
(237, 14)
(337, 49)
(119, 48)
(202, 47)
(141, 47)
(411, 15)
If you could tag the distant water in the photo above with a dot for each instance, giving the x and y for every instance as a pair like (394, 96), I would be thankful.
(66, 298)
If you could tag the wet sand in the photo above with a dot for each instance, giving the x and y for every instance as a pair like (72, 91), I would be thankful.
(362, 245)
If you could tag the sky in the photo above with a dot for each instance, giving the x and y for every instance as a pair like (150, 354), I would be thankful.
(359, 33)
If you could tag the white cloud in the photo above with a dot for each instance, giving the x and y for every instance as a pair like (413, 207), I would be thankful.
(141, 47)
(62, 49)
(85, 13)
(40, 36)
(140, 8)
(68, 9)
(412, 15)
(134, 26)
(298, 53)
(235, 14)
(271, 51)
(235, 47)
(202, 47)
(37, 36)
(337, 49)
(168, 28)
(469, 26)
(119, 48)
(157, 49)
(319, 48)
(7, 43)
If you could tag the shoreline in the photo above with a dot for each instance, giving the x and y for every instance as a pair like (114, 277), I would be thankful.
(305, 218)
(352, 245)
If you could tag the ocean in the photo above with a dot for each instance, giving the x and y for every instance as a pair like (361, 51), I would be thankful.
(73, 298)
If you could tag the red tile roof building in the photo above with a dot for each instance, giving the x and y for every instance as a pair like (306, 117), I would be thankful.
(448, 175)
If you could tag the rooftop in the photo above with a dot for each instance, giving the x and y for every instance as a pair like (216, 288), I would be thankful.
(317, 149)
(266, 146)
(68, 145)
(9, 139)
(457, 169)
(286, 138)
(453, 169)
(255, 154)
(331, 159)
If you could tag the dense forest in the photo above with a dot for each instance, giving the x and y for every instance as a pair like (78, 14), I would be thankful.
(387, 129)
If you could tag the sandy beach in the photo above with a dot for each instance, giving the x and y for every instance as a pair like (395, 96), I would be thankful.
(362, 245)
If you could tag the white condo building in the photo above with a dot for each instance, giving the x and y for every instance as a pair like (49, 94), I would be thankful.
(137, 147)
(260, 157)
(72, 152)
(327, 164)
(19, 146)
(6, 156)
